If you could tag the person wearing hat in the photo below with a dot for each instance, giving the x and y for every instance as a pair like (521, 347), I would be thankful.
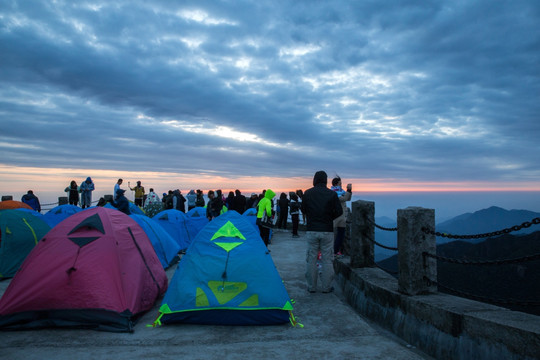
(252, 201)
(199, 202)
(121, 202)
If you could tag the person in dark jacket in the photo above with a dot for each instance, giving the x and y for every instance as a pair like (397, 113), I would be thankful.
(283, 204)
(239, 202)
(179, 201)
(121, 202)
(32, 200)
(321, 206)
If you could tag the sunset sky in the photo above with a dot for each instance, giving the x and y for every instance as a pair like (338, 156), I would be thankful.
(390, 95)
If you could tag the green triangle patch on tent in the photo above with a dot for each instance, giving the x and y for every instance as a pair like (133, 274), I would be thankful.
(228, 230)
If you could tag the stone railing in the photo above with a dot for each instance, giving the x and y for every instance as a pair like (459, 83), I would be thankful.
(443, 326)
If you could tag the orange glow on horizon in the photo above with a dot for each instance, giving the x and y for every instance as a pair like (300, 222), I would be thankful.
(17, 180)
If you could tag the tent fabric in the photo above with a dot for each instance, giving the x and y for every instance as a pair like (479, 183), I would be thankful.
(226, 277)
(183, 229)
(20, 232)
(59, 213)
(197, 211)
(134, 209)
(13, 204)
(164, 245)
(96, 269)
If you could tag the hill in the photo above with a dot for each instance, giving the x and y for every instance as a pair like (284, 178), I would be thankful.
(487, 220)
(498, 282)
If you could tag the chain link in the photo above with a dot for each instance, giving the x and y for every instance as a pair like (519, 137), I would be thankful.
(382, 227)
(485, 262)
(526, 224)
(486, 299)
(381, 245)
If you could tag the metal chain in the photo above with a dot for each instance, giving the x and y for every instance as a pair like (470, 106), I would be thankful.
(486, 262)
(483, 298)
(382, 227)
(526, 224)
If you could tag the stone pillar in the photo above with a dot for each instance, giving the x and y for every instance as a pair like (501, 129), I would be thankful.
(362, 234)
(7, 197)
(62, 200)
(412, 242)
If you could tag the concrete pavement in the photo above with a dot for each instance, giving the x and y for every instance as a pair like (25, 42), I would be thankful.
(332, 330)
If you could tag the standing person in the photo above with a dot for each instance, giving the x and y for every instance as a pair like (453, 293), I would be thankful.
(252, 201)
(295, 213)
(200, 199)
(73, 193)
(139, 194)
(283, 204)
(341, 221)
(264, 211)
(86, 192)
(321, 206)
(32, 200)
(239, 202)
(213, 209)
(117, 187)
(300, 195)
(179, 201)
(152, 198)
(229, 201)
(191, 199)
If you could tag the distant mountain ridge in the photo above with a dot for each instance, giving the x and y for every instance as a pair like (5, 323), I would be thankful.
(482, 221)
(488, 220)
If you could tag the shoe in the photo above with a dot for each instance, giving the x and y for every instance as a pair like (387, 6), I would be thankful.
(312, 291)
(329, 291)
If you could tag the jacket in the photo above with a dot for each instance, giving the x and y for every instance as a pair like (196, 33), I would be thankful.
(265, 204)
(321, 205)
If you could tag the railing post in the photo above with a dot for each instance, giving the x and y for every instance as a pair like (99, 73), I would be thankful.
(62, 200)
(412, 243)
(362, 234)
(7, 197)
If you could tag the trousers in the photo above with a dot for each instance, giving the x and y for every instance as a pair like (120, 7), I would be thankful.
(323, 242)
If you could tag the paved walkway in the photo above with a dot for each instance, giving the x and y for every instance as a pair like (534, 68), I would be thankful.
(332, 330)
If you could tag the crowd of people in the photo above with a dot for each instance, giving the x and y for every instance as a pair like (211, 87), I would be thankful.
(323, 211)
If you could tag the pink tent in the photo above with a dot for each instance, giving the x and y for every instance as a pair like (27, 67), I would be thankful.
(97, 269)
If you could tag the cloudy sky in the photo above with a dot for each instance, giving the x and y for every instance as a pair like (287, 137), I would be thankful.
(388, 94)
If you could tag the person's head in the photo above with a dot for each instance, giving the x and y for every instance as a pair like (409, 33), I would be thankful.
(237, 192)
(73, 183)
(151, 189)
(231, 193)
(199, 191)
(293, 196)
(211, 194)
(120, 181)
(253, 195)
(320, 177)
(300, 193)
(138, 183)
(283, 195)
(88, 180)
(30, 192)
(336, 181)
(218, 192)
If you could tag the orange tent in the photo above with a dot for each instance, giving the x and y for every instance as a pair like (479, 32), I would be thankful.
(12, 204)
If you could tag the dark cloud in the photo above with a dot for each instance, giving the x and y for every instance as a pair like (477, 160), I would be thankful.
(421, 91)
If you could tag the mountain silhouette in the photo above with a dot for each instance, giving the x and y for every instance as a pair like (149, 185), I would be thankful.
(510, 285)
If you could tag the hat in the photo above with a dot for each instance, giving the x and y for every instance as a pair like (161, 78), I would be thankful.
(253, 194)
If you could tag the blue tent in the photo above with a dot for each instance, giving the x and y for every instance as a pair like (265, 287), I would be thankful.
(176, 224)
(134, 209)
(227, 277)
(164, 245)
(197, 212)
(57, 214)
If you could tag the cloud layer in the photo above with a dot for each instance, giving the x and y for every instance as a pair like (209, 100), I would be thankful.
(400, 90)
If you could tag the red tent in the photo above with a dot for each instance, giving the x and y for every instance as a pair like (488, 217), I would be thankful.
(97, 269)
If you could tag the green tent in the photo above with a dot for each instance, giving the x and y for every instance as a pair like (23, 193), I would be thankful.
(20, 231)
